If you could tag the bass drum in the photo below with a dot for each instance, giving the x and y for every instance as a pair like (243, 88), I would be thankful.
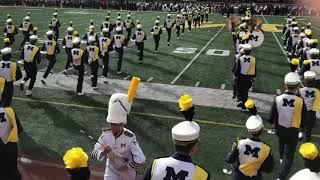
(256, 38)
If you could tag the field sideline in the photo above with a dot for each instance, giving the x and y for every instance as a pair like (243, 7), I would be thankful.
(53, 117)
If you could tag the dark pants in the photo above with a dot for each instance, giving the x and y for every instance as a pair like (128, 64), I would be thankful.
(52, 61)
(183, 27)
(309, 124)
(140, 46)
(26, 38)
(105, 61)
(288, 140)
(120, 57)
(238, 175)
(169, 34)
(31, 73)
(243, 85)
(12, 149)
(189, 25)
(207, 17)
(178, 31)
(7, 94)
(156, 41)
(94, 72)
(56, 33)
(69, 59)
(318, 84)
(202, 18)
(80, 70)
(11, 38)
(129, 34)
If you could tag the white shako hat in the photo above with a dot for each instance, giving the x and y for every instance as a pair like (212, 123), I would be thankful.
(5, 51)
(105, 30)
(292, 79)
(70, 29)
(49, 33)
(33, 37)
(254, 124)
(185, 132)
(76, 41)
(314, 51)
(309, 75)
(119, 108)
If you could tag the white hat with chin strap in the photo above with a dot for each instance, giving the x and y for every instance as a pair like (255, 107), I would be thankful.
(254, 124)
(292, 78)
(118, 109)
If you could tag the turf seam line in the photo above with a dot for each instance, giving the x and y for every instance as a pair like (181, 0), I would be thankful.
(202, 121)
(274, 35)
(195, 57)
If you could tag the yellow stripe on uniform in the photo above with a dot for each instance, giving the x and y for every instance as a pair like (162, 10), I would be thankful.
(13, 136)
(153, 166)
(251, 169)
(34, 52)
(296, 121)
(200, 174)
(316, 104)
(252, 69)
(2, 84)
(13, 72)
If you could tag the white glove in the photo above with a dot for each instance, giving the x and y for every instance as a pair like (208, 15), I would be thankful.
(89, 61)
(151, 32)
(63, 47)
(133, 40)
(5, 34)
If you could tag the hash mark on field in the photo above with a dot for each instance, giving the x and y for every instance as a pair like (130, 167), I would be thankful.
(274, 35)
(125, 78)
(150, 79)
(223, 86)
(278, 91)
(197, 84)
(195, 57)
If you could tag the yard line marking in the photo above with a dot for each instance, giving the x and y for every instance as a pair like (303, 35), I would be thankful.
(278, 91)
(223, 86)
(203, 121)
(197, 84)
(41, 70)
(311, 25)
(195, 57)
(127, 77)
(150, 79)
(274, 35)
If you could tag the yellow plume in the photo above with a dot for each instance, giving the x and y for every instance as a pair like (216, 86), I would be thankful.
(133, 88)
(75, 158)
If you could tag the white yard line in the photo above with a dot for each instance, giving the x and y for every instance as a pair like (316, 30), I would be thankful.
(150, 79)
(311, 25)
(274, 35)
(197, 84)
(195, 57)
(223, 86)
(127, 77)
